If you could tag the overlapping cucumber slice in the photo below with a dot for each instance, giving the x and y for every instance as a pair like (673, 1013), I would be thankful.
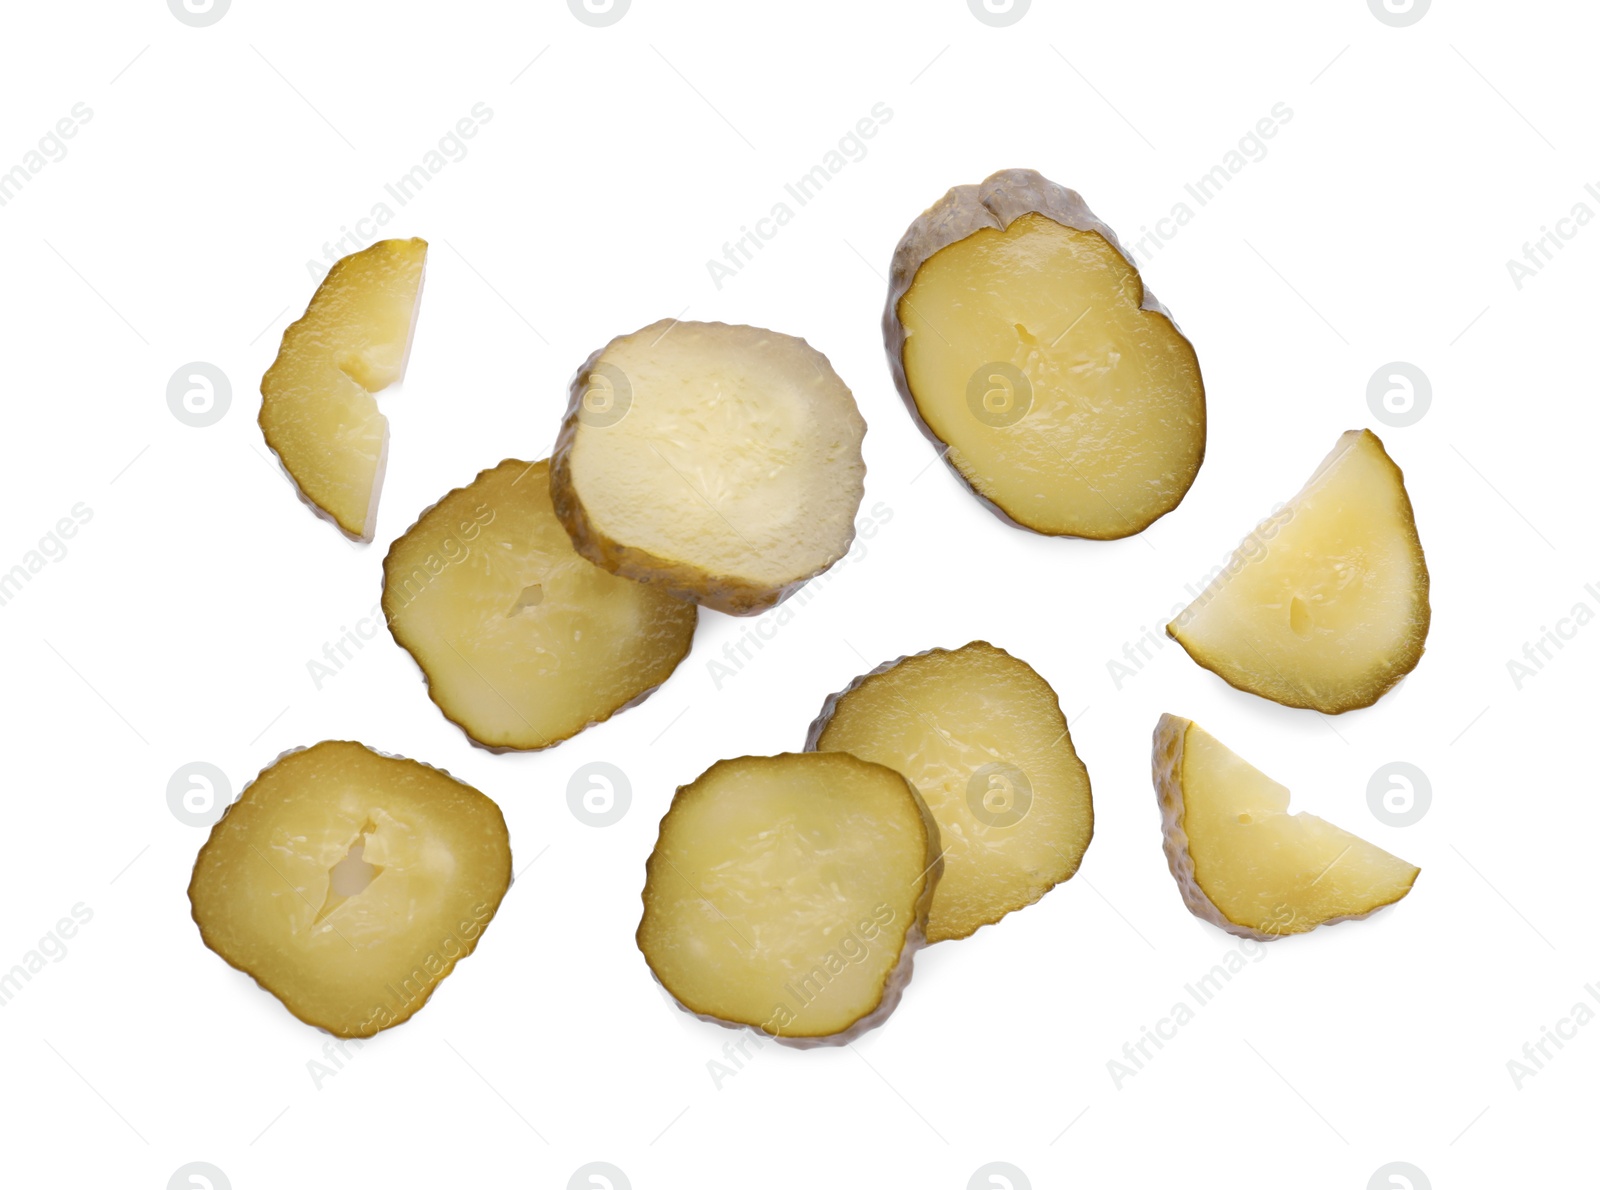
(788, 893)
(982, 737)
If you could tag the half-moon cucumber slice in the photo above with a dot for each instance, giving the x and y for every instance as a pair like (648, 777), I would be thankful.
(317, 409)
(1242, 861)
(1325, 605)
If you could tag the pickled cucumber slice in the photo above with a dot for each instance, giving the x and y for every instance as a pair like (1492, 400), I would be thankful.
(721, 463)
(1243, 862)
(524, 643)
(1024, 343)
(317, 409)
(981, 736)
(349, 883)
(788, 893)
(1326, 605)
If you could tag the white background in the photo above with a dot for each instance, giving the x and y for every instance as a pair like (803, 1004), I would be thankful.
(179, 625)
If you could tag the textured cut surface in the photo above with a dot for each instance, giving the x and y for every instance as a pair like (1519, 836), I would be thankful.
(1242, 861)
(350, 883)
(317, 410)
(1332, 610)
(524, 643)
(1022, 338)
(721, 463)
(787, 893)
(982, 738)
